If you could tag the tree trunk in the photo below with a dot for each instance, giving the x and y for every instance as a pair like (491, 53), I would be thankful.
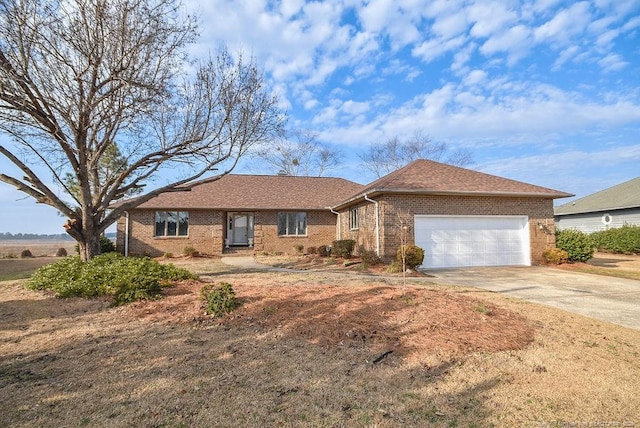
(88, 238)
(89, 246)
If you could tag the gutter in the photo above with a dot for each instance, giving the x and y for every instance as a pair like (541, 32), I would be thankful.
(126, 233)
(376, 203)
(338, 221)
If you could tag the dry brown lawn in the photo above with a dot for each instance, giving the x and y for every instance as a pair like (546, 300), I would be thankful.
(311, 349)
(39, 248)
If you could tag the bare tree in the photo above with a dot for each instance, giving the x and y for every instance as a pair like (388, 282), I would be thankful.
(297, 153)
(383, 158)
(99, 98)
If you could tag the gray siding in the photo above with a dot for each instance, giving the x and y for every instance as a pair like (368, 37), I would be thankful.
(592, 222)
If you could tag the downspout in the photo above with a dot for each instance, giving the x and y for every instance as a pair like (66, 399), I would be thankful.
(126, 233)
(339, 225)
(366, 198)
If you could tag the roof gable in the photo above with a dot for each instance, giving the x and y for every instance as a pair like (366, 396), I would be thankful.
(258, 192)
(430, 177)
(621, 196)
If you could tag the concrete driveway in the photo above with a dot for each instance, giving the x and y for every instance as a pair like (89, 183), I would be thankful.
(615, 300)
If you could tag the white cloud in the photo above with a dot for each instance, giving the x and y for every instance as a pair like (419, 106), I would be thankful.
(559, 171)
(565, 24)
(489, 18)
(475, 77)
(462, 57)
(434, 48)
(566, 55)
(288, 8)
(612, 62)
(515, 42)
(450, 26)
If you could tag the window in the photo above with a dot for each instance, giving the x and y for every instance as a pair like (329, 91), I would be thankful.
(292, 224)
(353, 218)
(172, 223)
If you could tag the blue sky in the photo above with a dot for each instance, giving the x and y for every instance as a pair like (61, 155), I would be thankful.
(546, 92)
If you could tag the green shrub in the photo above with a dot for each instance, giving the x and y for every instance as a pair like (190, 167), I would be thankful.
(413, 256)
(578, 245)
(324, 251)
(106, 245)
(125, 278)
(555, 256)
(395, 267)
(219, 299)
(369, 257)
(299, 248)
(621, 240)
(167, 255)
(190, 252)
(26, 254)
(343, 248)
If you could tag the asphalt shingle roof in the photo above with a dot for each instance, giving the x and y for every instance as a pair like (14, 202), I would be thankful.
(429, 177)
(259, 192)
(621, 196)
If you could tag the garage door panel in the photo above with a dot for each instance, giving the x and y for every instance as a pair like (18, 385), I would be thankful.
(452, 241)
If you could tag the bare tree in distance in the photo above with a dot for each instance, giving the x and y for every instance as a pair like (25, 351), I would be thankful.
(385, 157)
(99, 98)
(298, 153)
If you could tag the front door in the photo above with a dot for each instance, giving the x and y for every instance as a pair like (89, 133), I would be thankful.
(240, 229)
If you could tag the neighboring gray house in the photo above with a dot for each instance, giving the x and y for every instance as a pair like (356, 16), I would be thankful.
(609, 208)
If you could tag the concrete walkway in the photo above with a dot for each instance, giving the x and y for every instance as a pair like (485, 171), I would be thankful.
(615, 300)
(247, 262)
(610, 299)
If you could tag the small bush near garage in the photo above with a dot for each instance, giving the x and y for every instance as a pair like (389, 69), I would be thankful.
(369, 257)
(127, 279)
(343, 248)
(414, 256)
(555, 256)
(219, 299)
(578, 245)
(324, 251)
(621, 240)
(190, 251)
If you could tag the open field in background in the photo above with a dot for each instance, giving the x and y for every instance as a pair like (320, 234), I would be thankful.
(302, 351)
(13, 248)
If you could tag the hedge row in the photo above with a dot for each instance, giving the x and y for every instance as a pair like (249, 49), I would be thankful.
(581, 246)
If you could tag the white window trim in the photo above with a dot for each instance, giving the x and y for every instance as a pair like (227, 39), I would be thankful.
(286, 235)
(354, 218)
(166, 225)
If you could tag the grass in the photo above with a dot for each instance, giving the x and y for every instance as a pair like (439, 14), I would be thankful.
(616, 273)
(12, 269)
(77, 362)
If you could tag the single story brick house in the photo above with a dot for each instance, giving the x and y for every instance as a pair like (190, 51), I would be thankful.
(458, 216)
(266, 213)
(606, 209)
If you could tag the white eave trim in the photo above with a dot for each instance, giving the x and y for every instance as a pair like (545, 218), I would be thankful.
(376, 192)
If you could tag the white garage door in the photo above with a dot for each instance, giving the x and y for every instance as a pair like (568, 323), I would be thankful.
(457, 241)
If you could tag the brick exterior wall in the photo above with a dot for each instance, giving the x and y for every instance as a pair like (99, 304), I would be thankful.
(207, 233)
(538, 210)
(321, 230)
